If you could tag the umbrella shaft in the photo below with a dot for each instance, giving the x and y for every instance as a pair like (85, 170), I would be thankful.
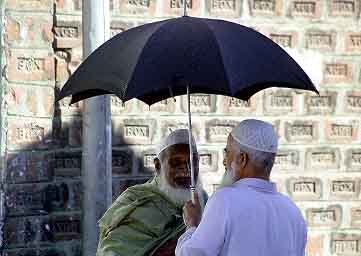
(190, 140)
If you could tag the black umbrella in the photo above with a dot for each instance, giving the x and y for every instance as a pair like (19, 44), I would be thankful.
(185, 55)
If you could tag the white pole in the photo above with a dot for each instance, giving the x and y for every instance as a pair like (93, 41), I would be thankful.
(193, 183)
(96, 158)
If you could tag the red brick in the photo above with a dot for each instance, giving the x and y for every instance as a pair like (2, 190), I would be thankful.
(224, 8)
(353, 102)
(234, 106)
(356, 217)
(169, 126)
(305, 8)
(119, 26)
(353, 159)
(345, 244)
(24, 167)
(342, 131)
(168, 106)
(68, 132)
(133, 131)
(67, 164)
(135, 7)
(68, 6)
(122, 163)
(282, 37)
(266, 7)
(323, 158)
(344, 188)
(68, 34)
(315, 245)
(120, 185)
(65, 227)
(29, 134)
(280, 102)
(329, 217)
(25, 232)
(30, 65)
(62, 71)
(175, 7)
(344, 8)
(286, 160)
(38, 5)
(199, 103)
(320, 40)
(218, 130)
(353, 42)
(147, 162)
(35, 30)
(338, 71)
(301, 131)
(208, 160)
(30, 100)
(305, 188)
(325, 103)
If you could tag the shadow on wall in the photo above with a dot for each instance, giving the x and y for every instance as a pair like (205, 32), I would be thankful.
(43, 184)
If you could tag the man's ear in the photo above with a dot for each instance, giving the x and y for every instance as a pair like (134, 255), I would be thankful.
(243, 159)
(157, 165)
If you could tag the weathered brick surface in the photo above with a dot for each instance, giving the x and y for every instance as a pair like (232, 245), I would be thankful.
(319, 160)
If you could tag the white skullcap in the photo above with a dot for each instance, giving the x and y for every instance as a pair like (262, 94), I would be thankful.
(179, 136)
(257, 135)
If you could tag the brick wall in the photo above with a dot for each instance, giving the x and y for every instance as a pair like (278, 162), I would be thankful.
(318, 165)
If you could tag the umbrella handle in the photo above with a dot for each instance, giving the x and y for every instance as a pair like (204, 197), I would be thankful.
(192, 188)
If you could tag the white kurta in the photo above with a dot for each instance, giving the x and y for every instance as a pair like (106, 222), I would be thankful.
(248, 218)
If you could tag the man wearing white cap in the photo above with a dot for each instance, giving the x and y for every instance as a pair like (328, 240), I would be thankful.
(247, 216)
(147, 219)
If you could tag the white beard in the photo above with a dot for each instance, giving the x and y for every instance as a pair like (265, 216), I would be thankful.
(179, 196)
(228, 177)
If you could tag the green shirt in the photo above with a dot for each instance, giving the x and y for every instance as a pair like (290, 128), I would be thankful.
(140, 221)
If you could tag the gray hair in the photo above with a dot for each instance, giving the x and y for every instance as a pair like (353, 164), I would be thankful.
(261, 159)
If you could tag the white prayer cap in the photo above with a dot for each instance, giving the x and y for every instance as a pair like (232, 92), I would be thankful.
(179, 136)
(257, 135)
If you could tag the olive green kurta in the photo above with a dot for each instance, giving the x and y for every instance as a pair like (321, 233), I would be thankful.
(139, 222)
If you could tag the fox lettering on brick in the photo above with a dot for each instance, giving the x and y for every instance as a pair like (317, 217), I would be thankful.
(341, 130)
(281, 101)
(30, 64)
(205, 159)
(200, 100)
(304, 187)
(355, 40)
(264, 5)
(319, 40)
(323, 158)
(237, 103)
(354, 101)
(345, 246)
(223, 4)
(139, 3)
(343, 187)
(282, 39)
(220, 130)
(320, 101)
(338, 70)
(176, 4)
(69, 32)
(136, 131)
(304, 8)
(356, 158)
(323, 217)
(31, 133)
(343, 6)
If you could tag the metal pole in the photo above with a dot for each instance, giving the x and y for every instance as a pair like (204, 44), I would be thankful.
(184, 7)
(193, 183)
(97, 151)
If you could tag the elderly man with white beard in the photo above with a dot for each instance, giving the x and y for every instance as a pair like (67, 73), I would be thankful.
(147, 219)
(247, 216)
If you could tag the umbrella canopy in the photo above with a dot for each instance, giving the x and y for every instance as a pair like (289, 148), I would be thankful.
(185, 55)
(158, 60)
